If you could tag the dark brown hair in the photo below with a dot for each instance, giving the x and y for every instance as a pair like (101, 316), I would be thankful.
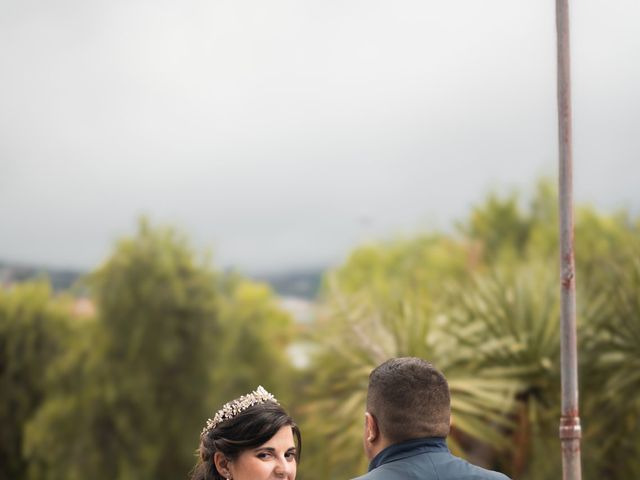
(410, 399)
(249, 429)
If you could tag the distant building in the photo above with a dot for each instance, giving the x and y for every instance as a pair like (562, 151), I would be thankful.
(300, 309)
(83, 307)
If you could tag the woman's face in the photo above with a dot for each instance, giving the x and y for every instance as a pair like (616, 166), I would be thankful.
(276, 458)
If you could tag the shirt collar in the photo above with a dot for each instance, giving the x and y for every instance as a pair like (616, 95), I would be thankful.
(409, 449)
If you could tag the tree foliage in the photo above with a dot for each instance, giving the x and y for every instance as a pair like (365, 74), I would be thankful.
(485, 309)
(171, 340)
(124, 393)
(257, 333)
(128, 397)
(33, 334)
(611, 369)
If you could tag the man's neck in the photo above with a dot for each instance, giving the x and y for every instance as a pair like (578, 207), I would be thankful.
(379, 446)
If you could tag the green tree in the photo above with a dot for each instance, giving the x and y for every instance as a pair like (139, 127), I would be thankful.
(388, 301)
(610, 366)
(171, 341)
(257, 333)
(515, 322)
(128, 402)
(501, 226)
(508, 322)
(485, 309)
(33, 333)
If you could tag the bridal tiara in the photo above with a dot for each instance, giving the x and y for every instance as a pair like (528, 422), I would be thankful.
(234, 407)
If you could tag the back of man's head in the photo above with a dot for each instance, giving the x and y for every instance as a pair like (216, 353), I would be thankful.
(410, 399)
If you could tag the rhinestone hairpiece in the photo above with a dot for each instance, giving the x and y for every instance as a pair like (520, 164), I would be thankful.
(234, 407)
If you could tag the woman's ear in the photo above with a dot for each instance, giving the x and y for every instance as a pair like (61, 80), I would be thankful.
(222, 464)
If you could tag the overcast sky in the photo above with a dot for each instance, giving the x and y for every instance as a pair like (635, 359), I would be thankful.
(283, 133)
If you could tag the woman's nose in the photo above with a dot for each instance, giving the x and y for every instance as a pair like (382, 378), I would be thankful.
(284, 467)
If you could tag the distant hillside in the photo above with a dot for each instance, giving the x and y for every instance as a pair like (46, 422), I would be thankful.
(303, 284)
(61, 279)
(295, 283)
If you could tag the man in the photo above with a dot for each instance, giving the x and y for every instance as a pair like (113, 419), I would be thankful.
(406, 424)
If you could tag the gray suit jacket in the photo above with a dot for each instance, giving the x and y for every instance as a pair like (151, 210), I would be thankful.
(424, 459)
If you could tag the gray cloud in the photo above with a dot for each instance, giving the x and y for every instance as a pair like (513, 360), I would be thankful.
(282, 133)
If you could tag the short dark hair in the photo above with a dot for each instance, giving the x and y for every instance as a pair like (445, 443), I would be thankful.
(409, 398)
(249, 429)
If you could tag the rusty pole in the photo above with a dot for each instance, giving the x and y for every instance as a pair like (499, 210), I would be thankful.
(570, 432)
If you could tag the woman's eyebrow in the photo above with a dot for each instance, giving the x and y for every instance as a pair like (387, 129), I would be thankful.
(272, 450)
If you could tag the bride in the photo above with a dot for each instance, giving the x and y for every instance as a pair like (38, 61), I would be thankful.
(249, 438)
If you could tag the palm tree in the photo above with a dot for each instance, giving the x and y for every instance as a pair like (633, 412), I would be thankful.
(611, 370)
(359, 329)
(509, 321)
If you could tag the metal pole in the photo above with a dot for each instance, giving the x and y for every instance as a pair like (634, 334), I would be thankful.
(570, 432)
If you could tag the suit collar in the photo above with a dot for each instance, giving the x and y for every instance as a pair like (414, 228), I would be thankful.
(409, 448)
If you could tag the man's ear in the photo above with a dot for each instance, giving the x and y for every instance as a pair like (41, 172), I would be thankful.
(372, 432)
(222, 464)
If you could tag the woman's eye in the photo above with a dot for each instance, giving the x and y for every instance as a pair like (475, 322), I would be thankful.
(263, 455)
(291, 456)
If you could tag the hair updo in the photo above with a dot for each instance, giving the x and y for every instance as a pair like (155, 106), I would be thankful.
(248, 429)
